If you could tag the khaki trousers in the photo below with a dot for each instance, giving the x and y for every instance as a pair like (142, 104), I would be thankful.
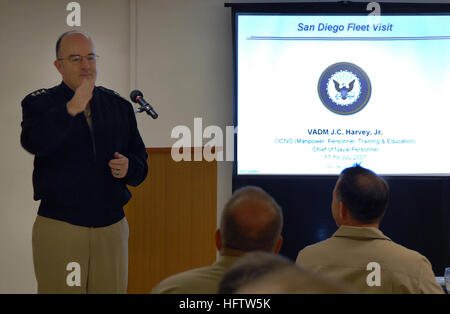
(75, 259)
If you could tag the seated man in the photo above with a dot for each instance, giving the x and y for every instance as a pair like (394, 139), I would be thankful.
(251, 220)
(250, 267)
(359, 254)
(263, 273)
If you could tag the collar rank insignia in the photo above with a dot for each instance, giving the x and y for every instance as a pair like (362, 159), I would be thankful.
(39, 92)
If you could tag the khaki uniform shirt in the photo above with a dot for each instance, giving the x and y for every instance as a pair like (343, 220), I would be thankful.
(349, 256)
(204, 280)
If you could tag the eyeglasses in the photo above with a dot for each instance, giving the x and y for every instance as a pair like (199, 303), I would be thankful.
(76, 59)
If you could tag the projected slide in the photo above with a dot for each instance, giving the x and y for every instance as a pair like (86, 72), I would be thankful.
(317, 94)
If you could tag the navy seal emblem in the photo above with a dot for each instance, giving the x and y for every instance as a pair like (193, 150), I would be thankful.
(344, 88)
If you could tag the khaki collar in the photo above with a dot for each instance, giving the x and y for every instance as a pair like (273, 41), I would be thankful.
(227, 260)
(360, 232)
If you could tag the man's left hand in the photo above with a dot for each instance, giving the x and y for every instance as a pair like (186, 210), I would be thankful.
(118, 165)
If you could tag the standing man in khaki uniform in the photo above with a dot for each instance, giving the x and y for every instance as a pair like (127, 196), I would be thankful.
(359, 254)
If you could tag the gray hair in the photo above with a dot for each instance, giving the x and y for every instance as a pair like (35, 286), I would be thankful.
(236, 231)
(250, 267)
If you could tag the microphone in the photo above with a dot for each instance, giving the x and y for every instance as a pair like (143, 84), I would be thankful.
(137, 97)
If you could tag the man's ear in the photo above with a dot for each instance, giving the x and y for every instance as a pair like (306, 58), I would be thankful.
(218, 237)
(343, 212)
(279, 244)
(58, 66)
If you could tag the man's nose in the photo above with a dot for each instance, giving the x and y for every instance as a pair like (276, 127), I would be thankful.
(84, 63)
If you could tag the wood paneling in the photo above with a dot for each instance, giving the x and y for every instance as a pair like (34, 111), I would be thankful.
(172, 219)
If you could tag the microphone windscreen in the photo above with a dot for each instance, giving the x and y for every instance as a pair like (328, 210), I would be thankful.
(135, 94)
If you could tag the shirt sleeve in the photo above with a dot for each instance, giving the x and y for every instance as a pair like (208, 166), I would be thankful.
(427, 280)
(45, 123)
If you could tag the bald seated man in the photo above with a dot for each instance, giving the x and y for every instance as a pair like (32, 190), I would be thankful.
(251, 221)
(86, 148)
(358, 253)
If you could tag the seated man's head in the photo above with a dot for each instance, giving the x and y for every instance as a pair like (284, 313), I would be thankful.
(360, 198)
(262, 273)
(251, 220)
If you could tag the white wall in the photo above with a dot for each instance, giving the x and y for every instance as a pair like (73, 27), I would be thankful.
(184, 65)
(180, 57)
(28, 34)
